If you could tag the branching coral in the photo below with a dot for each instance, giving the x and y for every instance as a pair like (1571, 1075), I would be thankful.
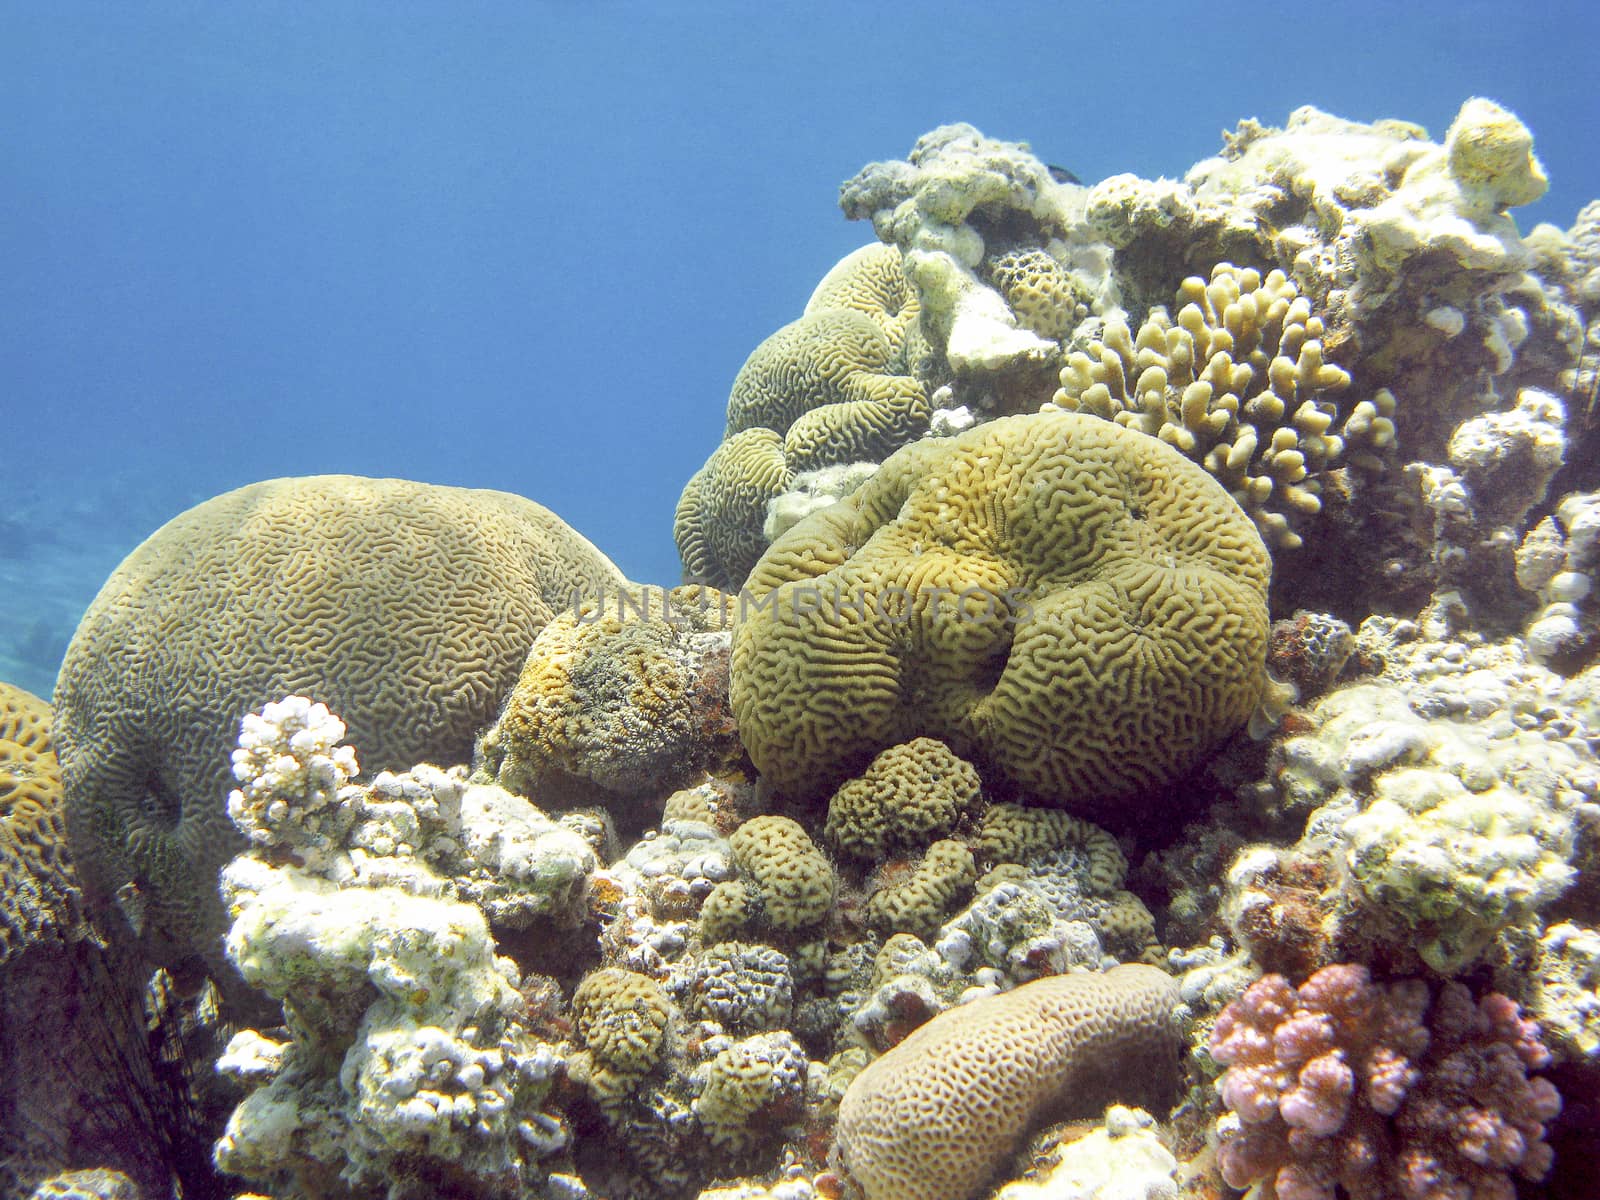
(1380, 1090)
(1237, 383)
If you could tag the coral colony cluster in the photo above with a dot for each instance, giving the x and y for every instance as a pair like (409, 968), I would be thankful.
(1129, 731)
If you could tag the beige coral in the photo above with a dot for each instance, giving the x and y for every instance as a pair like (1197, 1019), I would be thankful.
(793, 879)
(407, 607)
(717, 526)
(1237, 383)
(1075, 603)
(910, 795)
(937, 1116)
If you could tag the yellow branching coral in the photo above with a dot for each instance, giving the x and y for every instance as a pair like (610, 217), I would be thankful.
(1236, 383)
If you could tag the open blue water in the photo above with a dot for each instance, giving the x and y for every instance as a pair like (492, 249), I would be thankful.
(527, 246)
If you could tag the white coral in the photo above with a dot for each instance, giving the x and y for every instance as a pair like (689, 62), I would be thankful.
(291, 769)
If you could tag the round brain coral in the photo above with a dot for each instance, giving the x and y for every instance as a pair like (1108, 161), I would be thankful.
(937, 1116)
(909, 797)
(405, 607)
(1072, 602)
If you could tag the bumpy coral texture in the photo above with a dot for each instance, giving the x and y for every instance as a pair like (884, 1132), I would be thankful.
(1070, 600)
(1237, 383)
(1346, 1083)
(909, 796)
(919, 902)
(407, 607)
(792, 879)
(936, 1117)
(626, 693)
(36, 880)
(827, 389)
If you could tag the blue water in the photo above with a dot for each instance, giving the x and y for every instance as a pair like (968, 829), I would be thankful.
(527, 246)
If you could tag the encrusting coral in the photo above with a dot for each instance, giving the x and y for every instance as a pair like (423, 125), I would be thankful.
(408, 1039)
(621, 700)
(407, 607)
(1380, 1090)
(1073, 602)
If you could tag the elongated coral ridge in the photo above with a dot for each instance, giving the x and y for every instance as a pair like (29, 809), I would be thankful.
(980, 1076)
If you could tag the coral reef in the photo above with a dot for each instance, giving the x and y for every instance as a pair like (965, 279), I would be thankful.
(1070, 661)
(980, 1076)
(1251, 515)
(407, 608)
(1380, 1090)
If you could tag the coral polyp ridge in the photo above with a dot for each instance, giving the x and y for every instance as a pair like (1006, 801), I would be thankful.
(1134, 708)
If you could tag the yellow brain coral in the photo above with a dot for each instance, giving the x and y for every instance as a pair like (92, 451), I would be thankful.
(937, 1116)
(793, 879)
(909, 796)
(1074, 602)
(1238, 384)
(36, 882)
(407, 608)
(829, 388)
(717, 526)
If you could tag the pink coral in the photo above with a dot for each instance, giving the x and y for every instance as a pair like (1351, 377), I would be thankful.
(1347, 1083)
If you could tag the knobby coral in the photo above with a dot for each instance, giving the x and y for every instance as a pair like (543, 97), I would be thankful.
(1370, 1087)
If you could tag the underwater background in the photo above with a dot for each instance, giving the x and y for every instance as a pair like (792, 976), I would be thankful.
(528, 246)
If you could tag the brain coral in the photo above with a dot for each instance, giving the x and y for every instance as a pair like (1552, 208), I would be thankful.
(406, 607)
(36, 882)
(909, 796)
(936, 1117)
(827, 389)
(1073, 602)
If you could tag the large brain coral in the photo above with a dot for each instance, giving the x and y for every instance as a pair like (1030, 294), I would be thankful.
(407, 607)
(1072, 602)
